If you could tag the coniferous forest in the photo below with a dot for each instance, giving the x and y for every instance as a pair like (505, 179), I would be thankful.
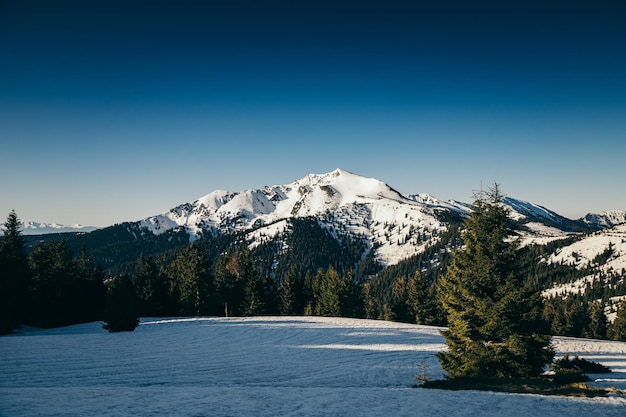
(112, 276)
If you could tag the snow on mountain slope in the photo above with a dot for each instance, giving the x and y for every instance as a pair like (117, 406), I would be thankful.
(605, 219)
(523, 209)
(342, 202)
(396, 226)
(582, 253)
(603, 251)
(452, 205)
(263, 366)
(36, 228)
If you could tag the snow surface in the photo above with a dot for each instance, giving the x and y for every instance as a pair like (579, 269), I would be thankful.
(262, 366)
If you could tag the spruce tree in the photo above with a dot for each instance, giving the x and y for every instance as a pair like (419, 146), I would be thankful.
(287, 293)
(121, 313)
(252, 303)
(14, 275)
(151, 287)
(617, 329)
(328, 287)
(598, 322)
(370, 305)
(192, 274)
(495, 328)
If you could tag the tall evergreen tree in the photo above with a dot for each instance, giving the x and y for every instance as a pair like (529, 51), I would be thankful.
(598, 322)
(121, 313)
(192, 274)
(413, 300)
(370, 306)
(14, 275)
(287, 293)
(328, 287)
(495, 324)
(252, 303)
(54, 274)
(236, 280)
(151, 287)
(617, 329)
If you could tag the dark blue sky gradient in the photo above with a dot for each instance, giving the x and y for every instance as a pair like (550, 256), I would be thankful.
(113, 111)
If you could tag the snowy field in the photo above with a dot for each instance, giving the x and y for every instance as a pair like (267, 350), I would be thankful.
(262, 366)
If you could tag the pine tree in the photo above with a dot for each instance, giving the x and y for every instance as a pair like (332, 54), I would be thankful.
(53, 294)
(287, 294)
(370, 306)
(150, 287)
(598, 322)
(121, 314)
(252, 303)
(328, 288)
(495, 325)
(14, 275)
(192, 275)
(232, 273)
(617, 329)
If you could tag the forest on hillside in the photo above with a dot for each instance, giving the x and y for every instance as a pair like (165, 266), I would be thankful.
(60, 280)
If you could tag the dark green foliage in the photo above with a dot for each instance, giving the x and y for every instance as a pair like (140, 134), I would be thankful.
(370, 305)
(65, 290)
(495, 328)
(327, 293)
(252, 303)
(579, 364)
(428, 265)
(191, 281)
(567, 317)
(14, 275)
(310, 247)
(597, 326)
(239, 289)
(121, 312)
(617, 330)
(290, 293)
(151, 287)
(414, 301)
(333, 295)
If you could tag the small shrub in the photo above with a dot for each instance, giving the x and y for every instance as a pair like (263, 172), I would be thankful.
(578, 364)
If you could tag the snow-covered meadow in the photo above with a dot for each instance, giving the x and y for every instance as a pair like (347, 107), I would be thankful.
(262, 366)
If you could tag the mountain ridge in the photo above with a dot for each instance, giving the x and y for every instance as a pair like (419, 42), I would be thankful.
(223, 211)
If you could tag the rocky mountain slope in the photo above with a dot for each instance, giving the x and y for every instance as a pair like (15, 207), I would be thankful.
(393, 225)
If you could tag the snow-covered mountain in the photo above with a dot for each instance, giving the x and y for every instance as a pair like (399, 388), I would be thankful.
(605, 219)
(393, 225)
(342, 202)
(36, 228)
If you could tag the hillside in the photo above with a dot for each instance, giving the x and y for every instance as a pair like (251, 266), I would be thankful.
(364, 228)
(388, 227)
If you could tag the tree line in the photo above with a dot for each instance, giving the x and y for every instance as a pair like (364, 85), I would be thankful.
(53, 286)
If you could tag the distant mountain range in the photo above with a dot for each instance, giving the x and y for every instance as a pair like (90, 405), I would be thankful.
(393, 225)
(35, 228)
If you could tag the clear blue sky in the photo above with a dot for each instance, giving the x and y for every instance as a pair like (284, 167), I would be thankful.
(117, 110)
